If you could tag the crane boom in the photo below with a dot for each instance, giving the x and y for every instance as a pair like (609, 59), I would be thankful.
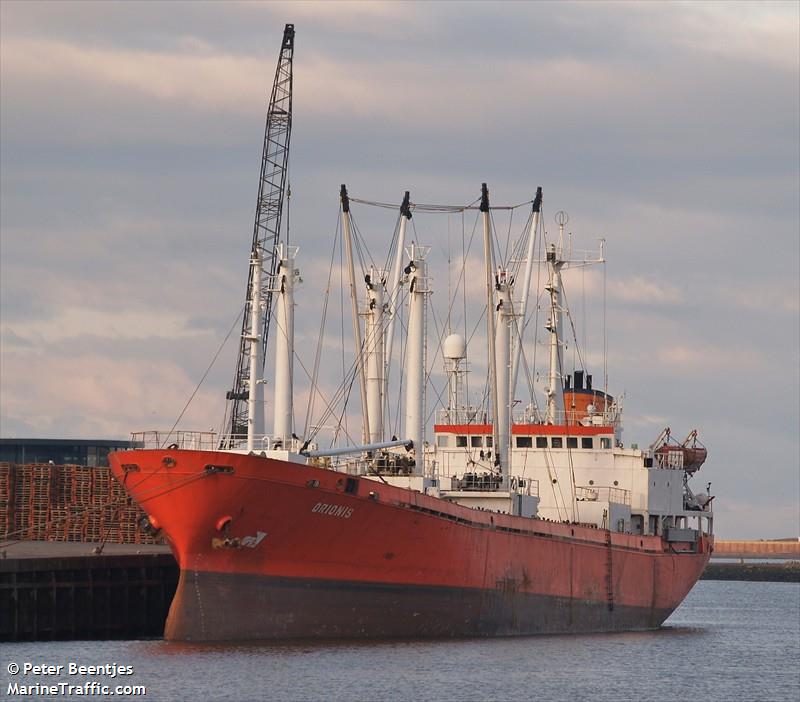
(266, 231)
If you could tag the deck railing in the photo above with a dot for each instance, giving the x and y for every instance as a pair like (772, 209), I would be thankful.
(594, 493)
(486, 482)
(210, 441)
(473, 415)
(195, 440)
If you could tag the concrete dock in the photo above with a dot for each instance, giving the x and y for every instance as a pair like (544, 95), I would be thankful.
(66, 591)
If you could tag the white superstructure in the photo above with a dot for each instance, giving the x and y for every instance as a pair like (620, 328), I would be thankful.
(566, 463)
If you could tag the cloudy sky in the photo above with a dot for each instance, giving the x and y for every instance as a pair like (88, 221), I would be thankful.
(131, 138)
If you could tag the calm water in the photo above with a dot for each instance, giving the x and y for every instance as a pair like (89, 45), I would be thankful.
(727, 641)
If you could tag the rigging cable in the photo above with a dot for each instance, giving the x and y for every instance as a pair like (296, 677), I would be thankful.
(439, 209)
(320, 339)
(205, 375)
(574, 333)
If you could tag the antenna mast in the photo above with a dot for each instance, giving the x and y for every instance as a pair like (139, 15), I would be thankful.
(490, 323)
(266, 233)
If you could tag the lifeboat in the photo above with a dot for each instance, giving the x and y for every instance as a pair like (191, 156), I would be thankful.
(690, 458)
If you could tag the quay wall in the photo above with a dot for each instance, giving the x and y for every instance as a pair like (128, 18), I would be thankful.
(68, 591)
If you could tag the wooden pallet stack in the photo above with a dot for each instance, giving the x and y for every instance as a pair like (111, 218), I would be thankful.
(81, 504)
(23, 483)
(129, 526)
(41, 498)
(94, 516)
(67, 503)
(6, 498)
(62, 495)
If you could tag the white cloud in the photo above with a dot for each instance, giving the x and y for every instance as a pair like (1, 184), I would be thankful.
(379, 18)
(72, 322)
(707, 357)
(765, 32)
(764, 296)
(203, 79)
(645, 291)
(98, 396)
(636, 290)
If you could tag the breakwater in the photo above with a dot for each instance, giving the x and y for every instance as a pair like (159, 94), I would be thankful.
(785, 572)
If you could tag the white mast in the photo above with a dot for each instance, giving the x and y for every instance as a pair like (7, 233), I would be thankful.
(502, 413)
(487, 253)
(526, 285)
(555, 395)
(348, 245)
(255, 389)
(284, 344)
(373, 341)
(415, 353)
(394, 285)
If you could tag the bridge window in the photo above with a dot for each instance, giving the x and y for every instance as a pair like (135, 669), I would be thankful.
(556, 442)
(476, 441)
(488, 442)
(572, 442)
(587, 442)
(443, 441)
(541, 442)
(524, 442)
(461, 441)
(605, 442)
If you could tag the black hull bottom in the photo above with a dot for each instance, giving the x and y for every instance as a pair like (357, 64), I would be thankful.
(235, 607)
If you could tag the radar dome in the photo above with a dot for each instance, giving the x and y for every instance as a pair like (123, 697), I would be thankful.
(454, 347)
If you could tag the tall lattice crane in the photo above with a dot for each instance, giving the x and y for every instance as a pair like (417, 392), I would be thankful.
(266, 231)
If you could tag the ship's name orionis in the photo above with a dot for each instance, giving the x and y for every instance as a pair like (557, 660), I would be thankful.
(332, 510)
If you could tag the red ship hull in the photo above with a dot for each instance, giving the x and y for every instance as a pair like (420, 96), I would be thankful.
(269, 549)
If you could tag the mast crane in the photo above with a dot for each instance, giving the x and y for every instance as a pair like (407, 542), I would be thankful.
(266, 234)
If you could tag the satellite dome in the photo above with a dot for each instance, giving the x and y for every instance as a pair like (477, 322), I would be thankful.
(454, 347)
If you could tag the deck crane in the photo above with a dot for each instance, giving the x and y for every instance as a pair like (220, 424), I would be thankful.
(266, 232)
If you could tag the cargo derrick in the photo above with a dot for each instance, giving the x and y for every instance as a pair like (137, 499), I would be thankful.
(272, 187)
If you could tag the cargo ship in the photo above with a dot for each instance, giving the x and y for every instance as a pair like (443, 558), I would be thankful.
(488, 521)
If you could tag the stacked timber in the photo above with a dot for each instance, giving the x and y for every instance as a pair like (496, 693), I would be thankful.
(67, 503)
(21, 499)
(6, 498)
